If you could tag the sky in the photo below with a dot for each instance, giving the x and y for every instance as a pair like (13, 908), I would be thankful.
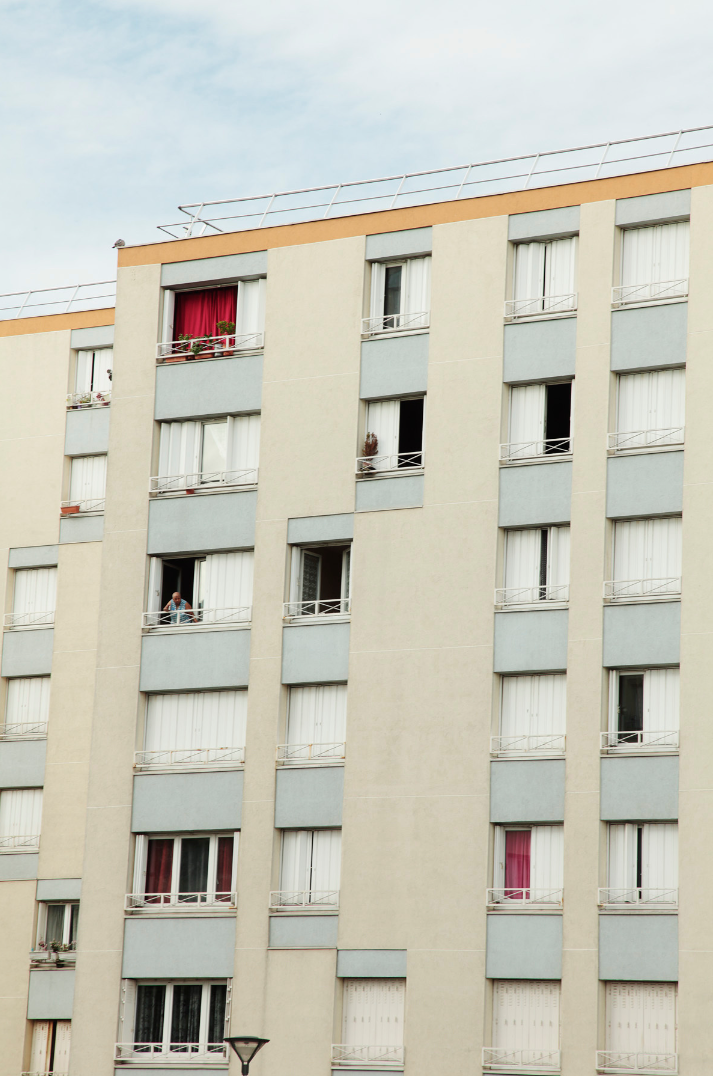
(114, 112)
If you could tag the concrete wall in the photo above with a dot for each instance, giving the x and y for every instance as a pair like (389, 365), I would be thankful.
(22, 763)
(524, 947)
(87, 432)
(309, 798)
(528, 791)
(395, 366)
(641, 634)
(182, 948)
(647, 485)
(639, 789)
(315, 653)
(534, 496)
(532, 641)
(187, 802)
(209, 387)
(202, 523)
(539, 350)
(649, 336)
(385, 494)
(27, 653)
(638, 948)
(195, 661)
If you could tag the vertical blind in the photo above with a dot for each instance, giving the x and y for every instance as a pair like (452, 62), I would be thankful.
(641, 1018)
(545, 270)
(226, 581)
(310, 860)
(317, 714)
(527, 418)
(373, 1012)
(533, 705)
(526, 1014)
(88, 482)
(648, 548)
(28, 700)
(650, 401)
(181, 444)
(20, 812)
(93, 370)
(659, 855)
(383, 420)
(654, 255)
(196, 719)
(35, 590)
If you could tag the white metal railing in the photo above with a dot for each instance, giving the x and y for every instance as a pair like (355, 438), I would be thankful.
(29, 620)
(541, 304)
(320, 607)
(344, 1054)
(310, 752)
(193, 618)
(189, 756)
(202, 480)
(549, 897)
(542, 169)
(20, 843)
(397, 461)
(528, 743)
(391, 323)
(209, 347)
(23, 730)
(523, 450)
(639, 738)
(551, 592)
(170, 901)
(305, 898)
(624, 439)
(91, 504)
(639, 896)
(172, 1051)
(503, 1058)
(639, 1062)
(71, 296)
(644, 293)
(643, 588)
(79, 400)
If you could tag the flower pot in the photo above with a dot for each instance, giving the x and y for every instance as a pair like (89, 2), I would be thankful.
(69, 510)
(175, 358)
(190, 491)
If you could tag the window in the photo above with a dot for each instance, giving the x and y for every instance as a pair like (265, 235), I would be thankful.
(394, 435)
(191, 872)
(34, 598)
(92, 379)
(650, 410)
(212, 323)
(174, 1021)
(400, 296)
(528, 865)
(203, 455)
(316, 724)
(20, 818)
(539, 422)
(526, 1026)
(27, 707)
(644, 710)
(647, 558)
(655, 264)
(49, 1052)
(320, 581)
(642, 864)
(372, 1022)
(309, 869)
(537, 566)
(195, 728)
(187, 591)
(532, 715)
(57, 927)
(640, 1028)
(87, 485)
(544, 278)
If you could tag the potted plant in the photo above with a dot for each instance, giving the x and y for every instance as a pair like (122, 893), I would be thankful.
(369, 449)
(180, 348)
(226, 328)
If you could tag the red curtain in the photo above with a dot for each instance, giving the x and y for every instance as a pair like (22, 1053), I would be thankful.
(197, 312)
(224, 869)
(518, 862)
(159, 861)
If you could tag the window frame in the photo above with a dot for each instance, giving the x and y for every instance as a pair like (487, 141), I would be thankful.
(141, 850)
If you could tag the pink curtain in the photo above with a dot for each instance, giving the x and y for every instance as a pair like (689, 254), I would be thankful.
(518, 862)
(159, 861)
(198, 312)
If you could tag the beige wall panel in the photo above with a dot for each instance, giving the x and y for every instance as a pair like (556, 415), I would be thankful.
(580, 989)
(694, 1013)
(445, 1000)
(300, 991)
(17, 907)
(700, 261)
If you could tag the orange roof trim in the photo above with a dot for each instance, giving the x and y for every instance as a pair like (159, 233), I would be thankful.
(52, 323)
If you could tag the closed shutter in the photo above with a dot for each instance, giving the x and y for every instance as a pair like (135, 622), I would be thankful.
(641, 1018)
(20, 812)
(250, 311)
(560, 269)
(179, 452)
(317, 714)
(546, 858)
(648, 548)
(533, 705)
(88, 482)
(526, 1015)
(529, 271)
(661, 700)
(652, 401)
(63, 1035)
(243, 445)
(326, 849)
(655, 255)
(417, 296)
(558, 564)
(373, 1012)
(523, 561)
(527, 419)
(41, 1048)
(660, 865)
(201, 719)
(227, 584)
(383, 421)
(659, 1018)
(35, 590)
(28, 700)
(622, 856)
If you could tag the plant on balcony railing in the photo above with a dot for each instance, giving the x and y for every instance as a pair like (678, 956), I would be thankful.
(189, 483)
(647, 1064)
(318, 607)
(368, 466)
(24, 730)
(635, 895)
(20, 843)
(305, 898)
(624, 439)
(93, 504)
(310, 752)
(523, 450)
(222, 346)
(29, 620)
(505, 1059)
(647, 293)
(383, 1055)
(541, 304)
(527, 743)
(389, 323)
(54, 953)
(189, 756)
(189, 901)
(191, 618)
(77, 401)
(551, 592)
(643, 588)
(639, 738)
(549, 897)
(172, 1051)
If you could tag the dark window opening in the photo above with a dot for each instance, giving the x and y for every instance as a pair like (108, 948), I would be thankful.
(557, 417)
(185, 1016)
(178, 575)
(411, 432)
(392, 295)
(149, 1025)
(543, 568)
(217, 1018)
(324, 580)
(630, 712)
(193, 870)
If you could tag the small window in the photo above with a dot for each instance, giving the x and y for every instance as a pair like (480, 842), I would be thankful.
(27, 708)
(188, 591)
(87, 486)
(34, 598)
(57, 927)
(644, 710)
(174, 1020)
(372, 1022)
(537, 566)
(197, 455)
(194, 728)
(544, 278)
(528, 866)
(49, 1051)
(320, 580)
(655, 263)
(647, 558)
(642, 864)
(539, 421)
(316, 725)
(532, 715)
(309, 869)
(526, 1024)
(650, 410)
(400, 296)
(394, 436)
(20, 819)
(191, 872)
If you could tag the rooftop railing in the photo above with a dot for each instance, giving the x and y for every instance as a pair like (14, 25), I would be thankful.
(626, 294)
(640, 1062)
(72, 297)
(505, 1059)
(624, 439)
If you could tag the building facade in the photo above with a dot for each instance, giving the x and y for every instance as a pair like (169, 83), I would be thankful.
(356, 654)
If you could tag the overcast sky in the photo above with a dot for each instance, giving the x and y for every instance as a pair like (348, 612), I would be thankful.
(115, 111)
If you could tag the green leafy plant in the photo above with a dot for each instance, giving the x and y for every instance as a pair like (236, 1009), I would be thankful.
(225, 328)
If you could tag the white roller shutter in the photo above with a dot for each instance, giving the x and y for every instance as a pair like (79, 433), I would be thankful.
(243, 445)
(526, 1015)
(63, 1037)
(649, 549)
(227, 583)
(655, 255)
(546, 858)
(88, 482)
(522, 569)
(660, 863)
(20, 812)
(652, 401)
(417, 291)
(201, 719)
(641, 1018)
(179, 451)
(660, 702)
(35, 590)
(622, 856)
(41, 1048)
(317, 714)
(28, 700)
(533, 705)
(527, 419)
(383, 420)
(250, 311)
(373, 1012)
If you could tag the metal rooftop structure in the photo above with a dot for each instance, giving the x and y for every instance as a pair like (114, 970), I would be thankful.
(73, 297)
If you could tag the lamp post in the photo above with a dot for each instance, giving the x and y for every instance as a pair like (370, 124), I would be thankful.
(246, 1047)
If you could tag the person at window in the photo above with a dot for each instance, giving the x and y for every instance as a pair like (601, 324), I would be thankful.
(180, 610)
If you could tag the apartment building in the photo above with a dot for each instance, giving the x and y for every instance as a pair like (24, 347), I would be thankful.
(355, 664)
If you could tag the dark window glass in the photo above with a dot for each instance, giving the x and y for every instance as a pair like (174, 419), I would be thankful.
(217, 1016)
(392, 294)
(193, 873)
(629, 708)
(149, 1025)
(543, 575)
(411, 429)
(557, 417)
(185, 1015)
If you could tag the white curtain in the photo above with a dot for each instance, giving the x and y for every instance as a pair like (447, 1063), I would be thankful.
(93, 369)
(310, 860)
(226, 583)
(243, 443)
(383, 420)
(20, 812)
(655, 255)
(250, 312)
(523, 560)
(533, 705)
(661, 700)
(179, 450)
(317, 714)
(660, 852)
(526, 1014)
(376, 302)
(200, 719)
(558, 562)
(527, 419)
(417, 291)
(35, 590)
(373, 1012)
(547, 857)
(545, 271)
(28, 700)
(560, 269)
(649, 549)
(622, 856)
(641, 1017)
(650, 401)
(529, 271)
(88, 482)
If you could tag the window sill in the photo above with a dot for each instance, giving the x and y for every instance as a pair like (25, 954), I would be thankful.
(167, 494)
(547, 315)
(386, 334)
(179, 629)
(523, 909)
(636, 752)
(198, 767)
(397, 472)
(180, 360)
(650, 302)
(174, 912)
(319, 618)
(629, 909)
(307, 764)
(679, 447)
(298, 910)
(527, 754)
(529, 461)
(528, 606)
(642, 600)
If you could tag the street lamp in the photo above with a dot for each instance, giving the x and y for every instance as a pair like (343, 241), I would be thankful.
(246, 1047)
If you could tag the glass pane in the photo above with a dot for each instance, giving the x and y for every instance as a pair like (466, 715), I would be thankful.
(224, 869)
(217, 1017)
(185, 1016)
(213, 458)
(73, 924)
(629, 710)
(310, 577)
(392, 289)
(193, 875)
(149, 1025)
(55, 924)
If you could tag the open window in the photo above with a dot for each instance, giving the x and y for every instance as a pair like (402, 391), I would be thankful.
(309, 869)
(644, 710)
(650, 410)
(526, 1026)
(210, 323)
(655, 264)
(544, 278)
(400, 296)
(209, 454)
(647, 558)
(57, 924)
(49, 1049)
(532, 719)
(204, 729)
(394, 436)
(642, 864)
(27, 708)
(189, 872)
(539, 421)
(188, 591)
(528, 866)
(536, 566)
(320, 580)
(174, 1021)
(92, 379)
(316, 722)
(87, 485)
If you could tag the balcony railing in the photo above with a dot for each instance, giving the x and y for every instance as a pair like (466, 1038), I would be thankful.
(208, 347)
(393, 323)
(20, 843)
(638, 896)
(622, 440)
(646, 1064)
(24, 730)
(189, 756)
(526, 450)
(92, 504)
(552, 592)
(650, 293)
(328, 899)
(639, 740)
(195, 618)
(344, 1054)
(643, 588)
(310, 752)
(166, 902)
(542, 304)
(29, 620)
(54, 956)
(189, 483)
(172, 1051)
(553, 742)
(551, 898)
(320, 607)
(79, 400)
(368, 466)
(504, 1059)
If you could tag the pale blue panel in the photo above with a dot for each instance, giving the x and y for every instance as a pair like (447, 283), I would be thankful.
(34, 556)
(27, 653)
(181, 948)
(96, 336)
(59, 888)
(653, 208)
(307, 529)
(309, 798)
(195, 661)
(182, 802)
(371, 963)
(303, 931)
(642, 789)
(75, 529)
(22, 763)
(87, 431)
(406, 244)
(208, 387)
(528, 790)
(396, 366)
(202, 523)
(382, 494)
(645, 634)
(214, 270)
(315, 653)
(649, 336)
(534, 496)
(534, 641)
(524, 946)
(539, 350)
(544, 223)
(18, 867)
(639, 948)
(51, 995)
(646, 485)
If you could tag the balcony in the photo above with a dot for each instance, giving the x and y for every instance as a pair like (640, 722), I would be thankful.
(640, 741)
(636, 897)
(80, 401)
(83, 507)
(179, 758)
(389, 465)
(504, 1059)
(521, 898)
(184, 902)
(555, 447)
(29, 620)
(328, 607)
(309, 754)
(203, 482)
(552, 743)
(196, 618)
(624, 441)
(541, 306)
(645, 1064)
(187, 1053)
(305, 900)
(378, 1056)
(552, 592)
(629, 294)
(208, 347)
(395, 323)
(24, 730)
(20, 843)
(642, 589)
